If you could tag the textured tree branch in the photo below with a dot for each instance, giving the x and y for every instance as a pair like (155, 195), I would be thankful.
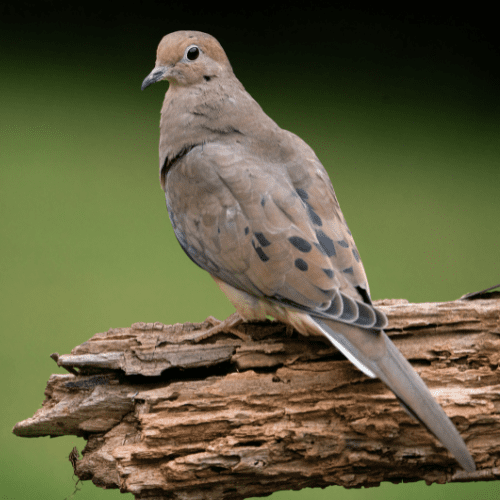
(231, 418)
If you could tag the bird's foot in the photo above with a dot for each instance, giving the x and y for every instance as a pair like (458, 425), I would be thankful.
(227, 326)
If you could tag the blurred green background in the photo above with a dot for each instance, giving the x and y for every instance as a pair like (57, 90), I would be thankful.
(401, 107)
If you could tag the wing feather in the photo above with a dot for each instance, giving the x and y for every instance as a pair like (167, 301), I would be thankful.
(250, 225)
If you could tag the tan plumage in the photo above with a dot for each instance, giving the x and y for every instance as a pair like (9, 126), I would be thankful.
(251, 204)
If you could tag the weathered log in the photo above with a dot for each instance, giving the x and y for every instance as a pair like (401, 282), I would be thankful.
(233, 417)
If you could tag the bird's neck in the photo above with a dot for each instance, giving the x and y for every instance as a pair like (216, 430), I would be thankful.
(215, 111)
(200, 113)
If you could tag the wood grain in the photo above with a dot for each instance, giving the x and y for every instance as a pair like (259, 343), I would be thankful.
(226, 418)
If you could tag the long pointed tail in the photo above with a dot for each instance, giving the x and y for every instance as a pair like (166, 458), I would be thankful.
(374, 353)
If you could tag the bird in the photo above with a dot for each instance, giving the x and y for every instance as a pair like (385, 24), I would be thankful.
(251, 204)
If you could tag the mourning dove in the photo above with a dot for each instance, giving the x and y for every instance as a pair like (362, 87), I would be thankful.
(251, 204)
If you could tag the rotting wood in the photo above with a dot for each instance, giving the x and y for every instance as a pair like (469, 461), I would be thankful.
(231, 419)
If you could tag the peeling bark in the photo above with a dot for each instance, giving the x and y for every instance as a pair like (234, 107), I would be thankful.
(231, 418)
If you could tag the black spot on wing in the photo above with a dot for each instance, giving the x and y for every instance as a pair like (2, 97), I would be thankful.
(247, 230)
(262, 239)
(343, 243)
(300, 244)
(263, 201)
(348, 270)
(313, 216)
(328, 272)
(326, 244)
(262, 255)
(303, 194)
(301, 264)
(355, 254)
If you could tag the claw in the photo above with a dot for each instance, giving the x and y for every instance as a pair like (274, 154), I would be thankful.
(227, 326)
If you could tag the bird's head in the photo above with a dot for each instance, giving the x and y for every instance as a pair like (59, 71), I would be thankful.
(187, 58)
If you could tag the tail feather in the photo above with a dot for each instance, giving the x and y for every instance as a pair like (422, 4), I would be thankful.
(374, 353)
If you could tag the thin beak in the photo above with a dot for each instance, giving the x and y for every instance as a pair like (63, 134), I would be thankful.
(153, 77)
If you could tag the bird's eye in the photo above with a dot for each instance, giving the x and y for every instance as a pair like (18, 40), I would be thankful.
(193, 53)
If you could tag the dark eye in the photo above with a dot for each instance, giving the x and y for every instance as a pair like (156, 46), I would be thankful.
(193, 53)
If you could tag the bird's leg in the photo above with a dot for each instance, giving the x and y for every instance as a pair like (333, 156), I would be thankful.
(228, 326)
